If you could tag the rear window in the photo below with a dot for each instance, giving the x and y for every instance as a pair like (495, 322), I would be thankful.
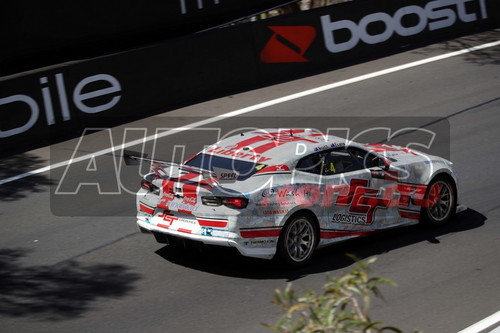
(243, 169)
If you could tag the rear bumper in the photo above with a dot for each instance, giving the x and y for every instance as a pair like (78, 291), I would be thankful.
(244, 246)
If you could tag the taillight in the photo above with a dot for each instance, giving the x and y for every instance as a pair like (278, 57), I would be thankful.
(235, 202)
(147, 185)
(231, 202)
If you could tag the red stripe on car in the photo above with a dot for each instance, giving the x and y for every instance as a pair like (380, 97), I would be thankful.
(250, 141)
(279, 140)
(146, 209)
(212, 223)
(275, 169)
(409, 215)
(184, 230)
(189, 176)
(339, 234)
(260, 233)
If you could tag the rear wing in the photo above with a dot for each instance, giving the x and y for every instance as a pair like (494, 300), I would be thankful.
(158, 167)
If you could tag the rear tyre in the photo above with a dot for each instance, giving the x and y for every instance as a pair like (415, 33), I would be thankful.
(440, 202)
(297, 241)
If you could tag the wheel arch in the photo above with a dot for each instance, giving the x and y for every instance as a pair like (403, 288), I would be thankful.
(309, 213)
(445, 173)
(427, 217)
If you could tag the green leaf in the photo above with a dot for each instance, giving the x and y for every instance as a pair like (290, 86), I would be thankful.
(343, 305)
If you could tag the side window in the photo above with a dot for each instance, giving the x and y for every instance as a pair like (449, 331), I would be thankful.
(367, 159)
(331, 162)
(339, 161)
(311, 164)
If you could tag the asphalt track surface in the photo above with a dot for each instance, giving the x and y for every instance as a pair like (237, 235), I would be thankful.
(77, 263)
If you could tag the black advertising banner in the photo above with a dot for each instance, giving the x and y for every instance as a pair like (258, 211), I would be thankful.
(40, 33)
(353, 31)
(104, 91)
(108, 90)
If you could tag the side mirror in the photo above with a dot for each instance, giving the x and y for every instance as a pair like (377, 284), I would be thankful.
(383, 163)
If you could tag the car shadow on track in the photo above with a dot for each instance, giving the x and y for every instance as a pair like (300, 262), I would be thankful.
(57, 292)
(228, 262)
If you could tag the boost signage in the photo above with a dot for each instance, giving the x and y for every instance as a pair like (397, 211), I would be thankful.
(437, 14)
(335, 30)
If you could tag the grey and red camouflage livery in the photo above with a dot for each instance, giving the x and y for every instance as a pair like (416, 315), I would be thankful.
(286, 192)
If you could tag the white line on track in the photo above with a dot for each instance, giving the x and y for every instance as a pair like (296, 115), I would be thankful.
(483, 324)
(253, 108)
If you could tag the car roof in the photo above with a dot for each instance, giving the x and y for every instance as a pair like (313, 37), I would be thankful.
(273, 146)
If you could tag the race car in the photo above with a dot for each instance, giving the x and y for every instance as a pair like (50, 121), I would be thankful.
(282, 193)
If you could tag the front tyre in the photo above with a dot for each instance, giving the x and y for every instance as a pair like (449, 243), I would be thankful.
(297, 241)
(441, 202)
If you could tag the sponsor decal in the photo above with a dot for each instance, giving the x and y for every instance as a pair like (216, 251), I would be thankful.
(207, 231)
(185, 193)
(170, 218)
(435, 15)
(169, 221)
(225, 176)
(269, 192)
(333, 145)
(166, 217)
(349, 219)
(258, 158)
(288, 44)
(321, 147)
(261, 243)
(357, 196)
(182, 207)
(189, 200)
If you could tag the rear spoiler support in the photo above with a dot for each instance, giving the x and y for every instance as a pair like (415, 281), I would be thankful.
(135, 158)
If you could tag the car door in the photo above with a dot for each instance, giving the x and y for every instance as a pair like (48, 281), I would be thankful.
(380, 198)
(346, 191)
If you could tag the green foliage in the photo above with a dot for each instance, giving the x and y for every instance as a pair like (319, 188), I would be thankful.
(343, 305)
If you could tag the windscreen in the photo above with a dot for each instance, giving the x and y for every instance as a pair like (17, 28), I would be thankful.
(223, 165)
